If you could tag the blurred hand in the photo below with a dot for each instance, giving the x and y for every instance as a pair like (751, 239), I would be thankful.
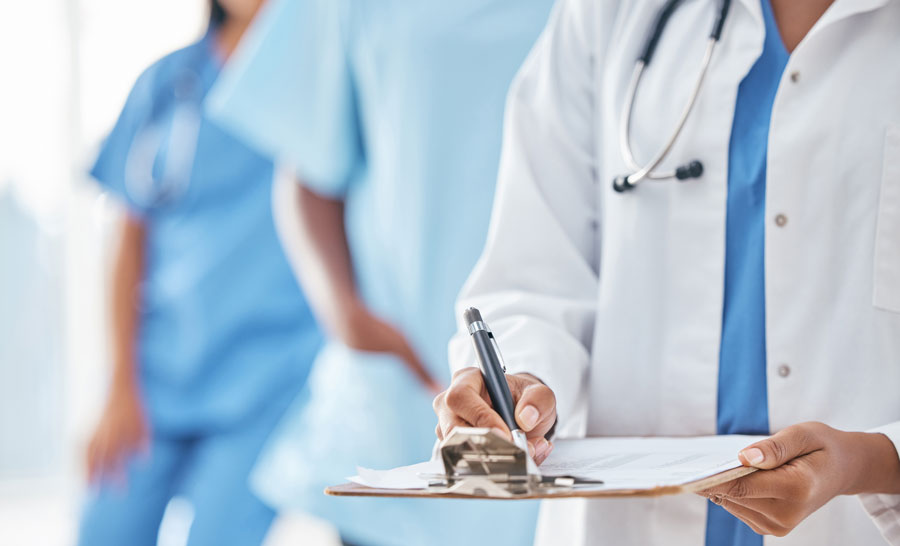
(467, 404)
(363, 331)
(121, 433)
(802, 468)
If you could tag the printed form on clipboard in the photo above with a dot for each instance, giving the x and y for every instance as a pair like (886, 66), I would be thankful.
(479, 463)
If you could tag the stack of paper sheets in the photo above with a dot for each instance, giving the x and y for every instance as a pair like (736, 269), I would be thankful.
(621, 463)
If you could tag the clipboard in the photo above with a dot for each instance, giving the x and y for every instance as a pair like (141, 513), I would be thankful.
(480, 464)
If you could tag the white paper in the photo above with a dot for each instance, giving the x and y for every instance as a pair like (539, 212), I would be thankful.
(645, 463)
(404, 477)
(621, 463)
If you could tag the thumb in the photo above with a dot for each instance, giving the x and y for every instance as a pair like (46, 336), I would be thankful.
(781, 448)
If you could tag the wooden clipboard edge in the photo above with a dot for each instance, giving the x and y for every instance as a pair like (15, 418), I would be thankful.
(718, 479)
(356, 490)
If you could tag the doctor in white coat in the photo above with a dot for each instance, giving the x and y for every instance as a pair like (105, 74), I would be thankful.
(761, 294)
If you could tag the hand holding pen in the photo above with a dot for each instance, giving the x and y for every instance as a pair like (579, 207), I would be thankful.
(468, 402)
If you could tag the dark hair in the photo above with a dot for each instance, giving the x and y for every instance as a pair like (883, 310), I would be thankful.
(217, 14)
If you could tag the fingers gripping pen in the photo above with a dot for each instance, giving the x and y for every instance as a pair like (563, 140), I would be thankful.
(494, 372)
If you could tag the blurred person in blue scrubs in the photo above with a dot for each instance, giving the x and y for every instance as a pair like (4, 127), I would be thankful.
(212, 337)
(391, 114)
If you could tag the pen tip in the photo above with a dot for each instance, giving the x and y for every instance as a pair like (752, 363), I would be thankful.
(472, 315)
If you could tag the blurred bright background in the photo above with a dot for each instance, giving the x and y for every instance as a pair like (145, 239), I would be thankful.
(67, 67)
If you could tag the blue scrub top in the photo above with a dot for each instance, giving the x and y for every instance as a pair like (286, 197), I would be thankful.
(395, 106)
(224, 328)
(742, 394)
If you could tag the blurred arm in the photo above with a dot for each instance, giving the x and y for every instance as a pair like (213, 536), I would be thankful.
(311, 228)
(122, 429)
(128, 268)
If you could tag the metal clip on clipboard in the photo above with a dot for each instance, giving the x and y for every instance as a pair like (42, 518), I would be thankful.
(482, 463)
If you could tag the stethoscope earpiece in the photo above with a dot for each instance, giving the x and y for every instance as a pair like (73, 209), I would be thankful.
(621, 184)
(694, 169)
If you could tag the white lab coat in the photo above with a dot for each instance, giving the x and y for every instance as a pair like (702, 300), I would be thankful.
(615, 300)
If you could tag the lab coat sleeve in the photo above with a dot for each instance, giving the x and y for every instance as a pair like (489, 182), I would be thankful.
(536, 281)
(885, 509)
(288, 92)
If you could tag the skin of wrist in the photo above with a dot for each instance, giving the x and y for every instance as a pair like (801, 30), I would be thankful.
(878, 469)
(124, 382)
(348, 304)
(352, 317)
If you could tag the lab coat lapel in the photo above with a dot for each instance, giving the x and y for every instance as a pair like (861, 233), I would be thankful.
(753, 8)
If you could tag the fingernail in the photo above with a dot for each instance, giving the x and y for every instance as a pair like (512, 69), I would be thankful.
(753, 456)
(531, 451)
(541, 447)
(528, 417)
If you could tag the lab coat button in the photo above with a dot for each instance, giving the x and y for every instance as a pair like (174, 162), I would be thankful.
(784, 370)
(780, 220)
(795, 76)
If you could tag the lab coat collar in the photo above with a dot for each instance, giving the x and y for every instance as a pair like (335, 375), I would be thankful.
(841, 9)
(838, 11)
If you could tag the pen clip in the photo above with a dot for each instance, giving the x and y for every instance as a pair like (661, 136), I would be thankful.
(477, 325)
(497, 350)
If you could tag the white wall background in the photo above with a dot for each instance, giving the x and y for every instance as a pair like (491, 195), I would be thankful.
(66, 67)
(65, 70)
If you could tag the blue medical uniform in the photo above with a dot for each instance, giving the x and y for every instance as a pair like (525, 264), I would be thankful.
(226, 338)
(742, 393)
(396, 107)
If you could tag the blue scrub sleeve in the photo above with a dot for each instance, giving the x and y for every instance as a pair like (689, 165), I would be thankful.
(109, 167)
(288, 91)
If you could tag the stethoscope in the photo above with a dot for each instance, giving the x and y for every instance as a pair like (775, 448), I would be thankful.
(170, 140)
(692, 169)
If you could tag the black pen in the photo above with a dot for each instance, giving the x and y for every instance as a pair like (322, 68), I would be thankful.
(494, 372)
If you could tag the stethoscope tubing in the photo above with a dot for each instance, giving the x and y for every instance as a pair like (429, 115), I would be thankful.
(183, 127)
(647, 171)
(644, 172)
(148, 190)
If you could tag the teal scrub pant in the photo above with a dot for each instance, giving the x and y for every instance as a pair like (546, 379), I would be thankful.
(210, 471)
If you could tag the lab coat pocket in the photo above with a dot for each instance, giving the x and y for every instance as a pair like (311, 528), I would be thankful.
(886, 294)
